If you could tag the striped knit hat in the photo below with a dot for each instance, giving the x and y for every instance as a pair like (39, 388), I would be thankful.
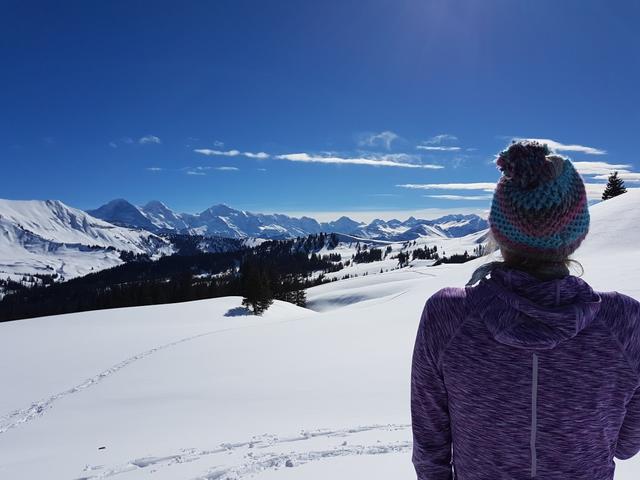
(539, 208)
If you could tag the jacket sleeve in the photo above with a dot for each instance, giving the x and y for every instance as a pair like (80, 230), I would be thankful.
(429, 409)
(629, 437)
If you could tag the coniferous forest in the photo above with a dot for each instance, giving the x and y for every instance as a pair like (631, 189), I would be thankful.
(275, 269)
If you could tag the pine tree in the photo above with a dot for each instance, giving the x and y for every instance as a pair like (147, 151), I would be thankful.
(255, 286)
(300, 298)
(615, 186)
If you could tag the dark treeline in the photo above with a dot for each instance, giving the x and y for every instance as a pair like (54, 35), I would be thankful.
(368, 256)
(287, 270)
(456, 258)
(425, 253)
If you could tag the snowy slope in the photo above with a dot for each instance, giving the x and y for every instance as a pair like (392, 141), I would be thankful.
(49, 236)
(613, 234)
(200, 391)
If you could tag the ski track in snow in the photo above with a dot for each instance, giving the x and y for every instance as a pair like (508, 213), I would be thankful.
(37, 409)
(255, 461)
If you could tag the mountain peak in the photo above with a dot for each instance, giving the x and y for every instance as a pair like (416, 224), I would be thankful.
(123, 213)
(156, 205)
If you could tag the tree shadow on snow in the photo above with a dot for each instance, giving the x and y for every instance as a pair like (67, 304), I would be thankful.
(238, 312)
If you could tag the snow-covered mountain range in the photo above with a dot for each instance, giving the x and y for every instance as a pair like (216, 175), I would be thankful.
(222, 220)
(49, 237)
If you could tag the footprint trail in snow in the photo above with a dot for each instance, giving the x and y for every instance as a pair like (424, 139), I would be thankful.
(235, 461)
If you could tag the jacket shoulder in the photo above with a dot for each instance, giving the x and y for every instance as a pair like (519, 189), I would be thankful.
(442, 316)
(621, 315)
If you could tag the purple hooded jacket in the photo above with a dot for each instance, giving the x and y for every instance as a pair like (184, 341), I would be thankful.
(519, 378)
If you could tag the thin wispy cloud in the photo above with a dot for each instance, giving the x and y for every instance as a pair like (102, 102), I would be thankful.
(198, 170)
(599, 168)
(231, 153)
(392, 160)
(626, 176)
(461, 197)
(191, 142)
(382, 139)
(594, 190)
(121, 141)
(402, 160)
(485, 186)
(259, 155)
(442, 138)
(562, 147)
(155, 169)
(444, 142)
(148, 139)
(203, 169)
(438, 148)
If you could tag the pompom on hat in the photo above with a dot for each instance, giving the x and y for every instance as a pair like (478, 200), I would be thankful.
(539, 208)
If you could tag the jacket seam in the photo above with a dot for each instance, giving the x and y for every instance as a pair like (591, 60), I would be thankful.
(440, 358)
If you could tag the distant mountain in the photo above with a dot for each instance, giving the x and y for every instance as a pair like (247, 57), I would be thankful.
(162, 217)
(341, 225)
(223, 221)
(49, 237)
(455, 225)
(122, 213)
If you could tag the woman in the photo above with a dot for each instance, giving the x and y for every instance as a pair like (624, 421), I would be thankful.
(530, 373)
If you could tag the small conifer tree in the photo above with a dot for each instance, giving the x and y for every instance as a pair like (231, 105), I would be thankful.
(615, 186)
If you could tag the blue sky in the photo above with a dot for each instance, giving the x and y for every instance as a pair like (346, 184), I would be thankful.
(369, 108)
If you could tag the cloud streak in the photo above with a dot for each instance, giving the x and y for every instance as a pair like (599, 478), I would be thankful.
(231, 153)
(401, 160)
(442, 138)
(485, 186)
(461, 197)
(562, 147)
(440, 148)
(594, 190)
(397, 160)
(149, 139)
(599, 168)
(626, 176)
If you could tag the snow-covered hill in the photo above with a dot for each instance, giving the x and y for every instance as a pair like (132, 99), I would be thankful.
(611, 251)
(201, 390)
(48, 237)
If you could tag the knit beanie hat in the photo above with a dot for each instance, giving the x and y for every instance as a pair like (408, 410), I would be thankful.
(539, 207)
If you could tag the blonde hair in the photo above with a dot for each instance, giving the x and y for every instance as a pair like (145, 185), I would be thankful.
(529, 264)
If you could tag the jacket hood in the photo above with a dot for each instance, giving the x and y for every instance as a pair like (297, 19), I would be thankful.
(523, 311)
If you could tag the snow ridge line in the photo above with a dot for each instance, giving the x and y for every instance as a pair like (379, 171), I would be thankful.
(37, 409)
(256, 462)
